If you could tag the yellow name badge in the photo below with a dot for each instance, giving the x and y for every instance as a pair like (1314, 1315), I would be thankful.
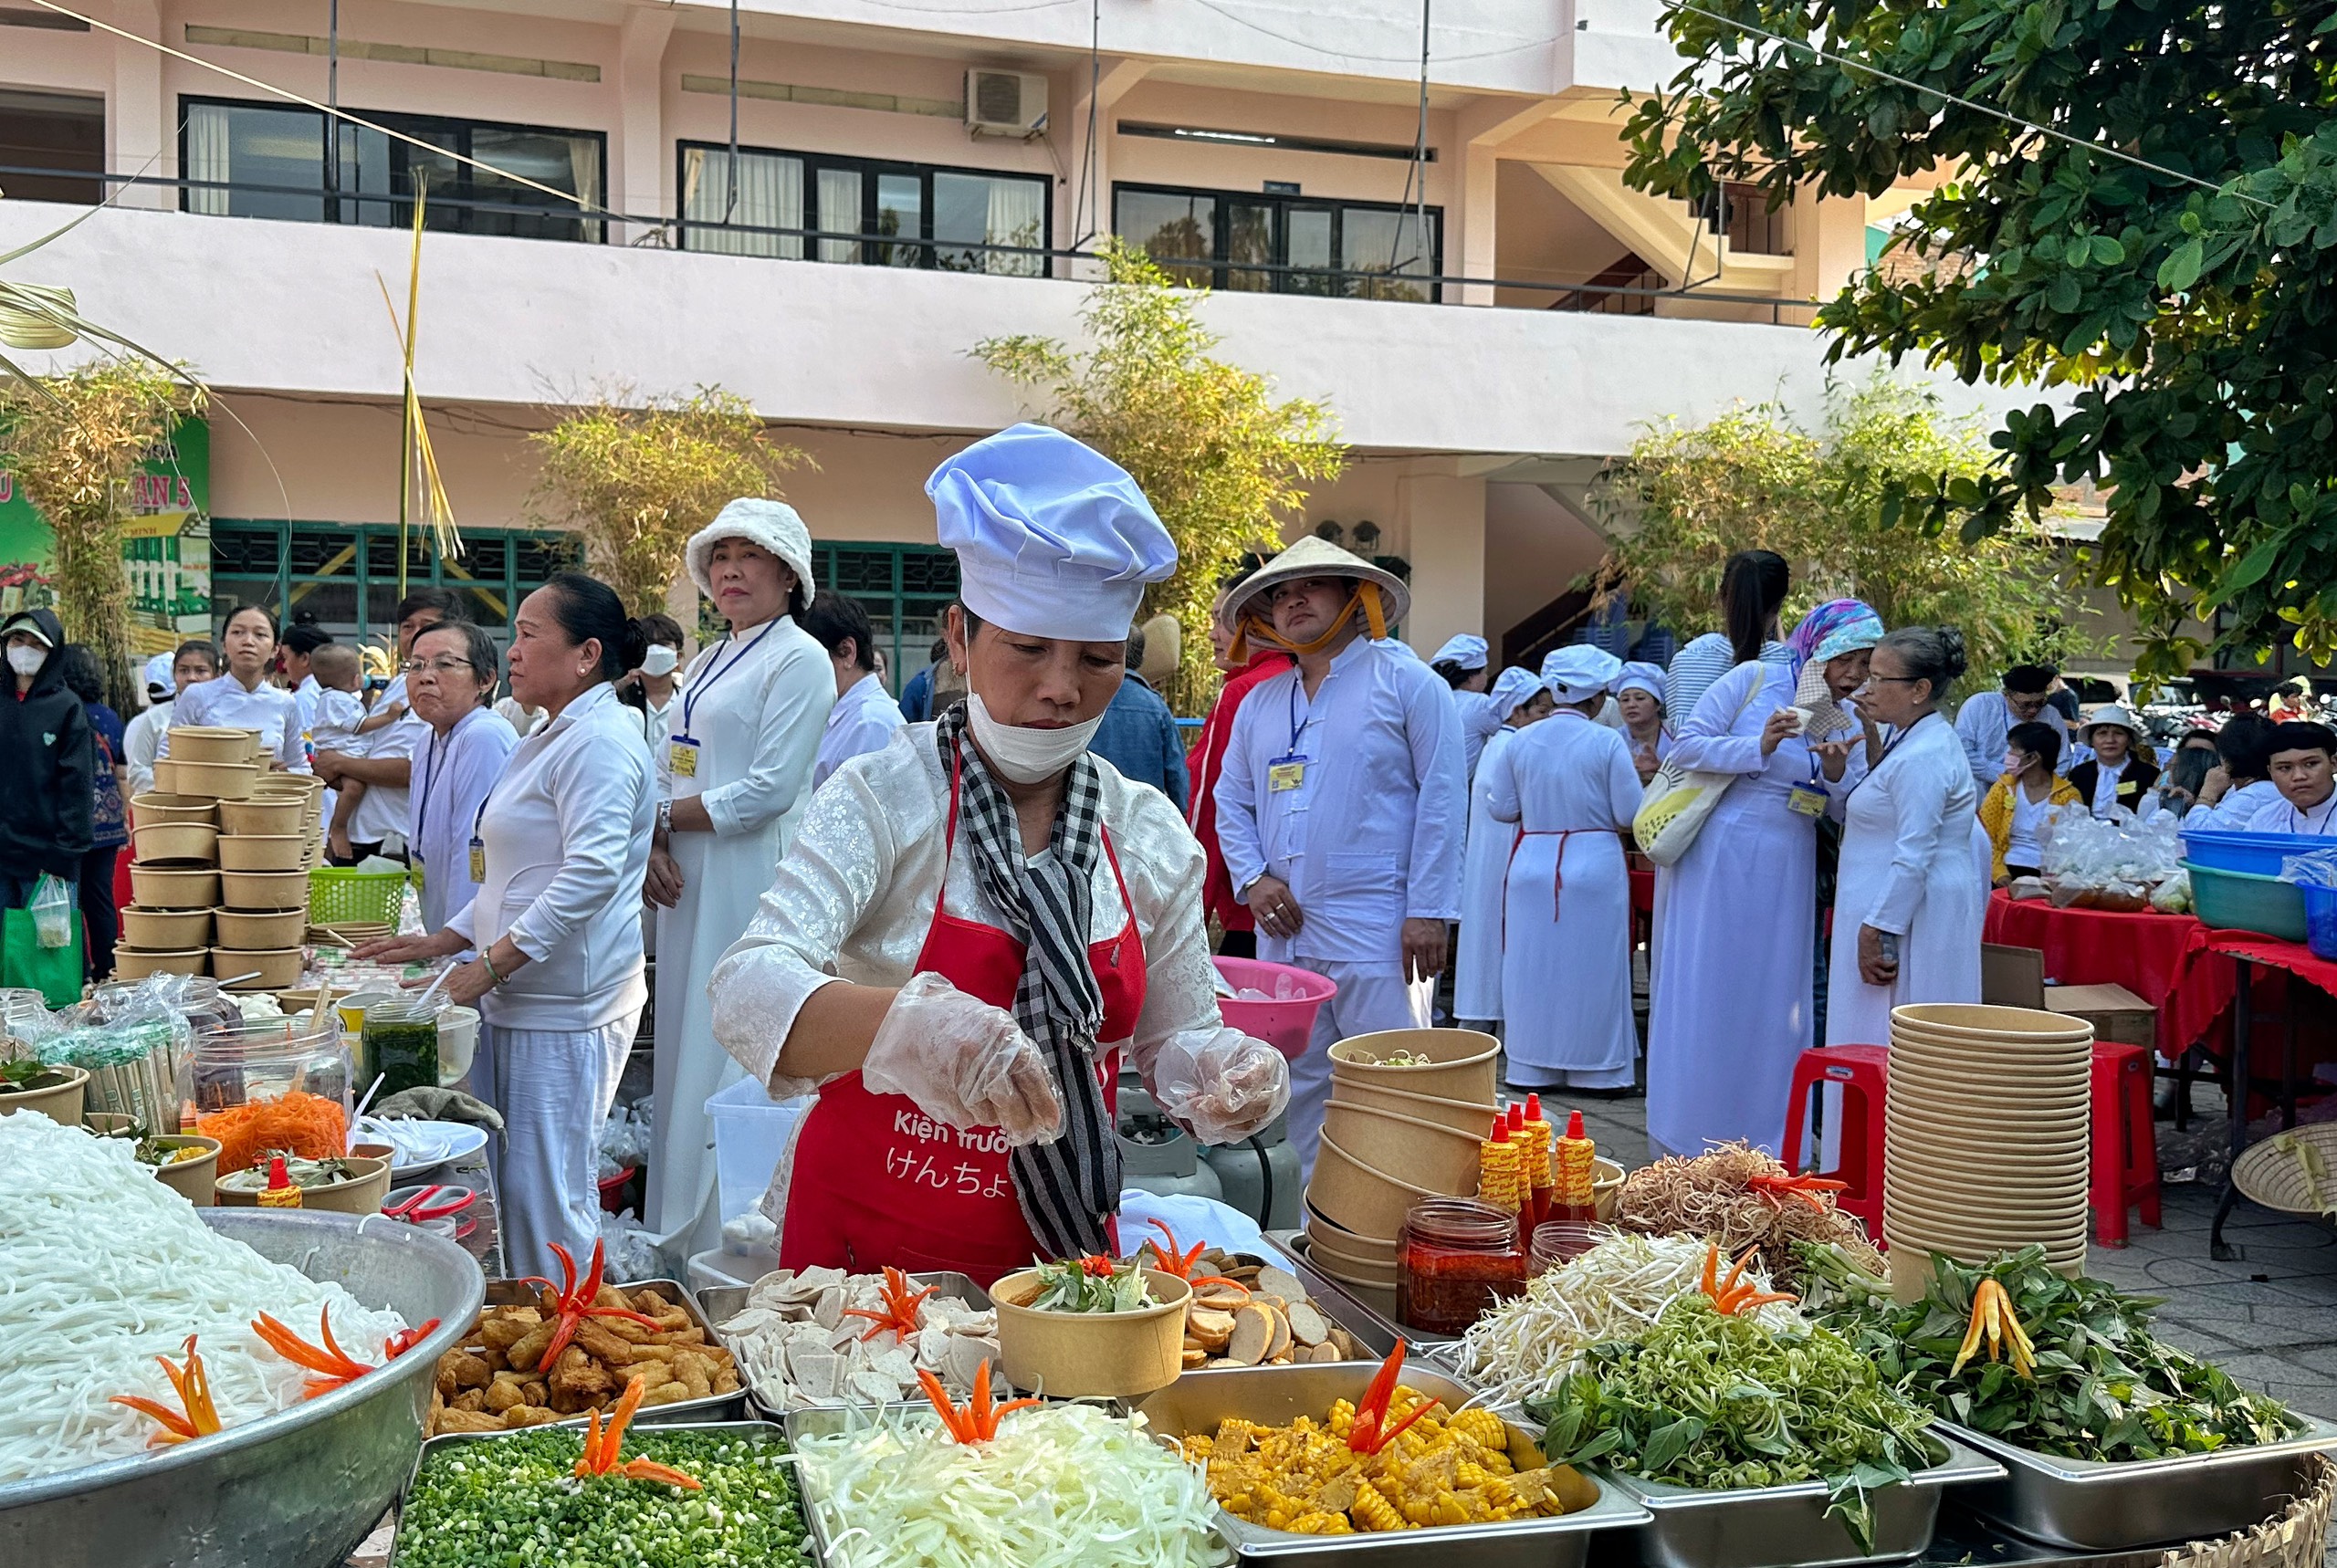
(1806, 800)
(478, 861)
(682, 755)
(1288, 773)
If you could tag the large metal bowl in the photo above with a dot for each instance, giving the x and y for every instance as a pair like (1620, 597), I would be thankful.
(303, 1487)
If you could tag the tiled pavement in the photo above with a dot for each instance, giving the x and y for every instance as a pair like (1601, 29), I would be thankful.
(2269, 1319)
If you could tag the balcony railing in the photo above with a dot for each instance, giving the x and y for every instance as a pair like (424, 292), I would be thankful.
(1639, 296)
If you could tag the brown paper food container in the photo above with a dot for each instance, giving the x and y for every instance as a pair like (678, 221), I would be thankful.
(58, 1102)
(1426, 1152)
(363, 1196)
(1091, 1355)
(1362, 1197)
(1463, 1063)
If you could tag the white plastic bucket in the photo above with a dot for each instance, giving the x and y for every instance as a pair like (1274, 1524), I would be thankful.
(750, 1134)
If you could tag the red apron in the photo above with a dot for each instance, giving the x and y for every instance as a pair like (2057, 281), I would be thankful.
(877, 1181)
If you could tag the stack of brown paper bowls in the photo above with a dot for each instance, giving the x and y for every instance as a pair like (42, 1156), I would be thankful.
(1987, 1136)
(173, 881)
(1392, 1135)
(273, 795)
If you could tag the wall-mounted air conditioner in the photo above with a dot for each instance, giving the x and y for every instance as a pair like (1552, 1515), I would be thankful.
(1006, 103)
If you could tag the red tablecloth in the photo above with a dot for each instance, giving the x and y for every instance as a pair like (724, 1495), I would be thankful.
(2168, 960)
(2293, 956)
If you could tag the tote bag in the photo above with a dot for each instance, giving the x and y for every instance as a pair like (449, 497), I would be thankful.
(1678, 800)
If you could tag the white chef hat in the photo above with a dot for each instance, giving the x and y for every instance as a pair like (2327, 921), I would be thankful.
(159, 682)
(1054, 539)
(1466, 651)
(1579, 672)
(1638, 675)
(1511, 687)
(773, 525)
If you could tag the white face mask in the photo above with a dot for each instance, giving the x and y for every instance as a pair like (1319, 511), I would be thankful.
(1024, 755)
(659, 661)
(27, 659)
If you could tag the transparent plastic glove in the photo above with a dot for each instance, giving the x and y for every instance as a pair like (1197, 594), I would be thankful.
(1220, 1082)
(965, 1062)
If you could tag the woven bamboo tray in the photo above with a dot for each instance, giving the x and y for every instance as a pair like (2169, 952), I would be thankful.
(2294, 1172)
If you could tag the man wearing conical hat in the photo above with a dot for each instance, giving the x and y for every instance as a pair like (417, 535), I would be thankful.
(1342, 803)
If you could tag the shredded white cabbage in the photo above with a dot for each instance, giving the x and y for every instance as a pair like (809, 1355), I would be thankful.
(1528, 1345)
(1060, 1485)
(103, 1268)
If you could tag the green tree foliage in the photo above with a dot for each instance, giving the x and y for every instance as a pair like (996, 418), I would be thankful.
(638, 477)
(1688, 497)
(1220, 461)
(74, 441)
(2192, 306)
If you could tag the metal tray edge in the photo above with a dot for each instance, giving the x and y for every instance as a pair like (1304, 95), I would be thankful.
(1962, 1466)
(2319, 1434)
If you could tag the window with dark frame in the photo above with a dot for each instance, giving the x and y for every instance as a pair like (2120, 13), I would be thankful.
(1272, 243)
(345, 576)
(270, 161)
(864, 211)
(62, 134)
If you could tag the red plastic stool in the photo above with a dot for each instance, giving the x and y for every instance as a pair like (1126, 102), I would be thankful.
(1862, 1072)
(2125, 1159)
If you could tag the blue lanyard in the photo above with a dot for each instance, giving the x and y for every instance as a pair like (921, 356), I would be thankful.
(429, 781)
(715, 672)
(2297, 822)
(1298, 724)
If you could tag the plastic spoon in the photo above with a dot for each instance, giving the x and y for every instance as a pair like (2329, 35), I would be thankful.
(359, 1114)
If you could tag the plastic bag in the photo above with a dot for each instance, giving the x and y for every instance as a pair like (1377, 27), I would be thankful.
(52, 908)
(2317, 869)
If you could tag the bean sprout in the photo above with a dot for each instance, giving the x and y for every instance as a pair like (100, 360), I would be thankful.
(1526, 1346)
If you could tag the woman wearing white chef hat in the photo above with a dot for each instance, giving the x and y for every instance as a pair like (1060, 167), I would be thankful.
(1465, 662)
(1569, 786)
(974, 920)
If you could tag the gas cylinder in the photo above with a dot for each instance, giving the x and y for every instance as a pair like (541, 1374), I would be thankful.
(1156, 1155)
(1260, 1175)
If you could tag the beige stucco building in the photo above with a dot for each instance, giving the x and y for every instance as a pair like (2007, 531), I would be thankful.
(1480, 363)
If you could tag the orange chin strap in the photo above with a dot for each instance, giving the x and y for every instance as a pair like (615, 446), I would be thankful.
(1375, 618)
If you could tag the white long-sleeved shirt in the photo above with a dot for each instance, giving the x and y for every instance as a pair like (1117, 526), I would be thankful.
(567, 841)
(2278, 816)
(1984, 724)
(2234, 811)
(453, 775)
(1372, 835)
(226, 704)
(863, 720)
(855, 895)
(1478, 722)
(331, 720)
(141, 742)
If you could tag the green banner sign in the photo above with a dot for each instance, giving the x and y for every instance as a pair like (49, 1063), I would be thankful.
(166, 544)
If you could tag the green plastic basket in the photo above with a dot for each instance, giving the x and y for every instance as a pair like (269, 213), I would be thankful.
(337, 894)
(2243, 901)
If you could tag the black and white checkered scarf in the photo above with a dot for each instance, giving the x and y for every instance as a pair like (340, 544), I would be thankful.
(1068, 1187)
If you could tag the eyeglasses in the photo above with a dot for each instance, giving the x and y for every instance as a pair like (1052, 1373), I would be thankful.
(1899, 679)
(436, 666)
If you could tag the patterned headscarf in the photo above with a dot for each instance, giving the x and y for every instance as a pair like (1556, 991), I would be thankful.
(1836, 627)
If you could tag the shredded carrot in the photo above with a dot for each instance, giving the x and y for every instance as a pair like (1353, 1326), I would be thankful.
(309, 1125)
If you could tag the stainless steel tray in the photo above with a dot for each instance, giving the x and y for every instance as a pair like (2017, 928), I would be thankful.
(818, 1420)
(718, 1303)
(2100, 1506)
(766, 1429)
(1787, 1527)
(1276, 1396)
(714, 1407)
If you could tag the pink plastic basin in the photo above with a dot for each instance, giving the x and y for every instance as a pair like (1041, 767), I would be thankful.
(1286, 1026)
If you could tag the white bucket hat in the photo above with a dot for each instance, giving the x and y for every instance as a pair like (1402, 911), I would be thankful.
(2114, 717)
(773, 525)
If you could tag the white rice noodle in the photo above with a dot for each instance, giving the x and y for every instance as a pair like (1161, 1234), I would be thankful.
(103, 1268)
